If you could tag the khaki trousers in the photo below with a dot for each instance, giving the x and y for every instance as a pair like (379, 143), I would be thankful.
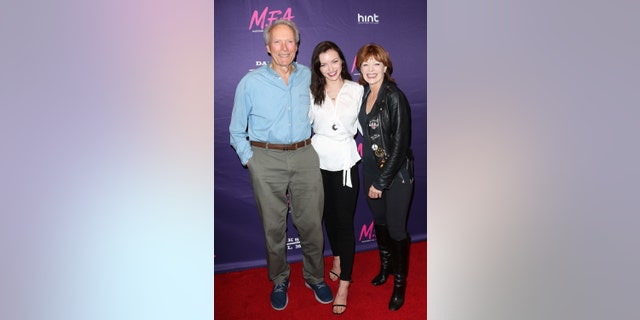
(274, 173)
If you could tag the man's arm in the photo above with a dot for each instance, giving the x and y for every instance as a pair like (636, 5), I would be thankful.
(239, 124)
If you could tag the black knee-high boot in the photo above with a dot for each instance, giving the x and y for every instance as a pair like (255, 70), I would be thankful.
(384, 246)
(400, 258)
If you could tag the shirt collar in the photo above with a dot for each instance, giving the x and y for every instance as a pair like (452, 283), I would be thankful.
(273, 72)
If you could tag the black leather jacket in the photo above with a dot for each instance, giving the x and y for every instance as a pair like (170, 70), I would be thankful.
(390, 130)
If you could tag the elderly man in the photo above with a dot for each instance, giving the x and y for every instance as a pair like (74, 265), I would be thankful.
(270, 131)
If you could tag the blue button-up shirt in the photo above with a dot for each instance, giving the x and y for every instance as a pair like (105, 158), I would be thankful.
(266, 109)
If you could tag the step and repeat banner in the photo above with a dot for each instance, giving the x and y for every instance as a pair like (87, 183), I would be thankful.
(399, 26)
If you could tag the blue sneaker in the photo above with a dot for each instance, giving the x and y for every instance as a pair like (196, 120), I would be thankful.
(279, 297)
(322, 292)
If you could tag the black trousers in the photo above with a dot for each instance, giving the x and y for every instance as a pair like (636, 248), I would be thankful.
(392, 210)
(339, 210)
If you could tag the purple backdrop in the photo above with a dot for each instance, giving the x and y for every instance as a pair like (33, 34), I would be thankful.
(399, 26)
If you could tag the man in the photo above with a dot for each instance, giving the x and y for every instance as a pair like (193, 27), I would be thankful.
(270, 131)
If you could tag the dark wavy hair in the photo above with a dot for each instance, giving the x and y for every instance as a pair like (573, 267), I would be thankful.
(317, 79)
(377, 52)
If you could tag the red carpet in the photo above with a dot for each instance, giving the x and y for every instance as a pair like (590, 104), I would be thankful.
(245, 294)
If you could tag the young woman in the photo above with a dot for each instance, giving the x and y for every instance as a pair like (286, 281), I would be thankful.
(335, 103)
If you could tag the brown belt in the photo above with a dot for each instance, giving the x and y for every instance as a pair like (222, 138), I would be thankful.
(284, 147)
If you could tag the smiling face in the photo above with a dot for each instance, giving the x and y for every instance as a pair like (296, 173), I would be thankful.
(373, 71)
(330, 65)
(282, 45)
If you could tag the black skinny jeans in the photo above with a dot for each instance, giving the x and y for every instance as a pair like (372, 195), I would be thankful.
(339, 210)
(392, 210)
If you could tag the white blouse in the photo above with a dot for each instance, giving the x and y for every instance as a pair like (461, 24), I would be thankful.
(335, 127)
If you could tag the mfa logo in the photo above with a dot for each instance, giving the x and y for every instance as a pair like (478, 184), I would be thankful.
(354, 71)
(259, 20)
(367, 233)
(368, 18)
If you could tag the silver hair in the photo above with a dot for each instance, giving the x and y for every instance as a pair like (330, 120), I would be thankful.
(289, 23)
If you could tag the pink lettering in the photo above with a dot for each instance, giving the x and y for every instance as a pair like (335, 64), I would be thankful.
(273, 15)
(287, 15)
(353, 66)
(367, 232)
(259, 19)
